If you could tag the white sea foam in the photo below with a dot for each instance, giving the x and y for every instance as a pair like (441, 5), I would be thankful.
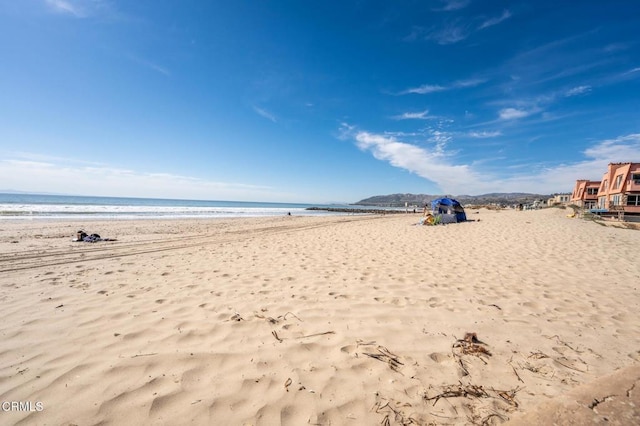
(58, 211)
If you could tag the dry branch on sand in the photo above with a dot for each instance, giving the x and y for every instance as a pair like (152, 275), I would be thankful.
(386, 356)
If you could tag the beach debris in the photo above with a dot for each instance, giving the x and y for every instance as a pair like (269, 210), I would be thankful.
(386, 356)
(276, 320)
(562, 342)
(149, 354)
(389, 408)
(471, 345)
(316, 334)
(516, 373)
(236, 317)
(287, 383)
(475, 391)
(572, 364)
(270, 320)
(292, 314)
(457, 391)
(275, 334)
(509, 396)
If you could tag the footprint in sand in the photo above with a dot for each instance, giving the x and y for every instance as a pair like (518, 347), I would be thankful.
(440, 357)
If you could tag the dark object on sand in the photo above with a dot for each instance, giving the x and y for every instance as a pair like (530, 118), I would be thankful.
(82, 236)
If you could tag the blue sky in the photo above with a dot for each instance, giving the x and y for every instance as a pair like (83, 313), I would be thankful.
(315, 101)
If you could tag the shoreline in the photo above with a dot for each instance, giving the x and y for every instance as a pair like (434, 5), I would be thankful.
(312, 319)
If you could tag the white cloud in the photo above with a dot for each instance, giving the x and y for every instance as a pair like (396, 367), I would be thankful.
(424, 89)
(513, 113)
(432, 88)
(66, 7)
(495, 21)
(579, 90)
(429, 164)
(623, 148)
(472, 82)
(485, 134)
(422, 115)
(77, 178)
(437, 165)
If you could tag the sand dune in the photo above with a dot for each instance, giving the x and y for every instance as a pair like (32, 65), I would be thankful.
(313, 320)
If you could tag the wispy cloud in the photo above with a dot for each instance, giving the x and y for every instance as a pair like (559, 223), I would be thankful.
(495, 21)
(150, 65)
(450, 5)
(564, 60)
(432, 88)
(451, 32)
(424, 89)
(84, 8)
(485, 134)
(264, 113)
(81, 178)
(622, 148)
(438, 166)
(513, 113)
(65, 7)
(578, 90)
(422, 115)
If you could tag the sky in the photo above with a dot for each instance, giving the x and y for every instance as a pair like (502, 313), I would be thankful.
(315, 101)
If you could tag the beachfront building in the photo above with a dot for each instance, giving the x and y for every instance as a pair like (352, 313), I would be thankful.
(585, 193)
(562, 199)
(620, 188)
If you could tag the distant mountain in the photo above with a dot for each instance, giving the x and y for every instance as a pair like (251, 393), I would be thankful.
(399, 200)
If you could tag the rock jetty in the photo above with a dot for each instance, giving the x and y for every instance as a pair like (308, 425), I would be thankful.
(357, 211)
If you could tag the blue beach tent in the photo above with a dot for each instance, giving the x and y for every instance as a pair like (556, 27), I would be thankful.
(448, 206)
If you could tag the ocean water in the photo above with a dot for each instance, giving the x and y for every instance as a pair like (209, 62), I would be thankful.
(34, 206)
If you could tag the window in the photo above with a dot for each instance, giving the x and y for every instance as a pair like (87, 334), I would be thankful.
(635, 177)
(601, 202)
(605, 185)
(616, 200)
(592, 191)
(618, 181)
(633, 200)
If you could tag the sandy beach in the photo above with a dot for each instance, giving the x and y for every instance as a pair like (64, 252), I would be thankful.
(343, 320)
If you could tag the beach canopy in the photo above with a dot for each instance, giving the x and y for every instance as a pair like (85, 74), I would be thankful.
(448, 206)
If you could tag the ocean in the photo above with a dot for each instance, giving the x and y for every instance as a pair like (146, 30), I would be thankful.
(34, 206)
